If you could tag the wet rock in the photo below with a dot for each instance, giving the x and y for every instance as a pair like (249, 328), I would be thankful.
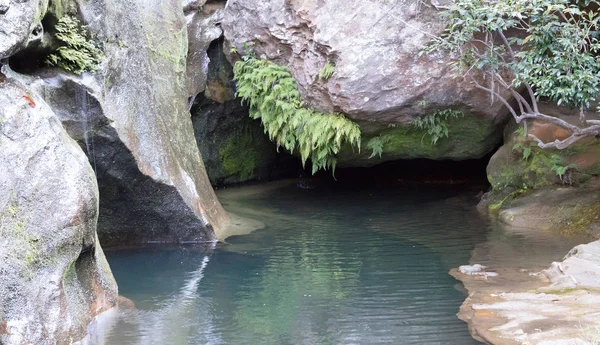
(557, 306)
(54, 277)
(234, 147)
(134, 208)
(20, 23)
(381, 80)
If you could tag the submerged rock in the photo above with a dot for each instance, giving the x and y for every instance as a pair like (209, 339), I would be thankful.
(54, 277)
(380, 79)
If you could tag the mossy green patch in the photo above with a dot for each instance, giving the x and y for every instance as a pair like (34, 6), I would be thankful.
(521, 162)
(239, 156)
(77, 53)
(14, 227)
(469, 137)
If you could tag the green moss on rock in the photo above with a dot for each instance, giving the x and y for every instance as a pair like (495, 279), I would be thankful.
(469, 137)
(509, 168)
(239, 156)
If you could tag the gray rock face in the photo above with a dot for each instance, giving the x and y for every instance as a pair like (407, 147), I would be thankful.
(203, 28)
(54, 277)
(145, 95)
(20, 24)
(380, 78)
(134, 209)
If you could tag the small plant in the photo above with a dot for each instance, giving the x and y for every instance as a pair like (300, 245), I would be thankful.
(526, 149)
(520, 131)
(435, 123)
(423, 102)
(376, 145)
(327, 71)
(77, 53)
(270, 91)
(559, 168)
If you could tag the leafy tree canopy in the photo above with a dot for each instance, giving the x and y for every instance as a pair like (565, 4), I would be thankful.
(548, 48)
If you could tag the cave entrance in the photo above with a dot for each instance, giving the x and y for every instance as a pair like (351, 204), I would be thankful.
(410, 172)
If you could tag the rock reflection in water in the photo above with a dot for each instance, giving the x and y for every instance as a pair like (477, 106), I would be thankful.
(362, 266)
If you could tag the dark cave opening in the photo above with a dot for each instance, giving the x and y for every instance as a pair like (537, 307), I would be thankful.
(410, 172)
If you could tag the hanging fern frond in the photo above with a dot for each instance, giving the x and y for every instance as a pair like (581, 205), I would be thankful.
(435, 123)
(271, 93)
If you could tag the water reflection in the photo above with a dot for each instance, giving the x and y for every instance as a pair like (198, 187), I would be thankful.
(331, 267)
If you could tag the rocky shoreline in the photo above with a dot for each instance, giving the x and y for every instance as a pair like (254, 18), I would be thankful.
(515, 306)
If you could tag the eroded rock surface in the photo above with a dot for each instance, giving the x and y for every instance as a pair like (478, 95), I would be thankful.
(520, 163)
(134, 209)
(381, 80)
(145, 95)
(20, 24)
(514, 306)
(54, 277)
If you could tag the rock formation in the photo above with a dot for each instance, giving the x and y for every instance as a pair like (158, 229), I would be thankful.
(380, 81)
(54, 277)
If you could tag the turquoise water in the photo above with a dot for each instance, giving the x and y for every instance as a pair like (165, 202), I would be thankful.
(332, 266)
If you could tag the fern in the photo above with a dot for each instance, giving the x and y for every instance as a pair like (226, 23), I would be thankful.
(526, 150)
(327, 71)
(376, 145)
(271, 94)
(558, 167)
(76, 52)
(435, 123)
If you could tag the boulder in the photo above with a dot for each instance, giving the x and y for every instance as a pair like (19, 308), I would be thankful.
(381, 79)
(565, 210)
(144, 92)
(20, 24)
(519, 163)
(134, 208)
(54, 277)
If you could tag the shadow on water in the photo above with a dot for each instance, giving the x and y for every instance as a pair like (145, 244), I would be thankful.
(337, 263)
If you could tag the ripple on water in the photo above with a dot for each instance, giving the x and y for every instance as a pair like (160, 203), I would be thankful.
(330, 267)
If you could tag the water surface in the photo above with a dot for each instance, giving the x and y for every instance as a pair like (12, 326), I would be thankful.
(332, 266)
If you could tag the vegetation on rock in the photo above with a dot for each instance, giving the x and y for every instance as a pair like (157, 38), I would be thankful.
(76, 53)
(435, 123)
(239, 155)
(272, 96)
(550, 53)
(327, 71)
(376, 145)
